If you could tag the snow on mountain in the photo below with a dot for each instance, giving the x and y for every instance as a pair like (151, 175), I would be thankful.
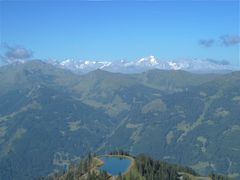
(147, 61)
(145, 64)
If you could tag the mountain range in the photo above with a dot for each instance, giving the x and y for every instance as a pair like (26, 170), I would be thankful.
(146, 63)
(50, 117)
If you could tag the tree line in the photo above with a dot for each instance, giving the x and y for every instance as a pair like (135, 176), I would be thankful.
(145, 168)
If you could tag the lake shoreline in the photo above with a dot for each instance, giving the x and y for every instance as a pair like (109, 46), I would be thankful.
(132, 162)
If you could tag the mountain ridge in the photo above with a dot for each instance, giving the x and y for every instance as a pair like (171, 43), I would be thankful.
(144, 64)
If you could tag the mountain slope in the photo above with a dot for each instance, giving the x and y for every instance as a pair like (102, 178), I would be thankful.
(198, 127)
(50, 117)
(42, 123)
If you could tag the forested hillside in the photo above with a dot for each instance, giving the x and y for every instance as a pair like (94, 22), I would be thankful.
(143, 168)
(50, 118)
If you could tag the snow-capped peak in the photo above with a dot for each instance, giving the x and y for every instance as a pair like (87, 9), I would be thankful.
(65, 62)
(177, 65)
(151, 60)
(144, 64)
(105, 64)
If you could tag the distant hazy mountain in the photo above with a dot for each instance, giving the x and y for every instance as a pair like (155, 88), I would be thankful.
(50, 117)
(145, 64)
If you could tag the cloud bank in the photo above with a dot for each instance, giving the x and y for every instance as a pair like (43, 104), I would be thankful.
(230, 40)
(225, 40)
(219, 62)
(206, 42)
(16, 53)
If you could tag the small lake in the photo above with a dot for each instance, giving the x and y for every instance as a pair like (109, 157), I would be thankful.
(114, 165)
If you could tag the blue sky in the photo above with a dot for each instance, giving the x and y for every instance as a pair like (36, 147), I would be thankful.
(123, 30)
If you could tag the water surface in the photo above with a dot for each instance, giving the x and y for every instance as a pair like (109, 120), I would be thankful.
(115, 165)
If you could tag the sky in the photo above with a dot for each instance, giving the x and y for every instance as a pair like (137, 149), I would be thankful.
(116, 30)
